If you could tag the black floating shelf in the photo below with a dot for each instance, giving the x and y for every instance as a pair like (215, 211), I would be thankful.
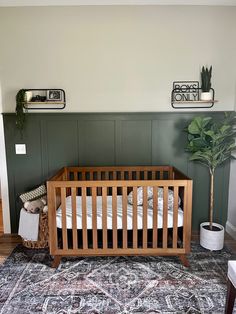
(191, 104)
(52, 99)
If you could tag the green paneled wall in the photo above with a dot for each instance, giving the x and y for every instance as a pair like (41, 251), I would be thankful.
(57, 140)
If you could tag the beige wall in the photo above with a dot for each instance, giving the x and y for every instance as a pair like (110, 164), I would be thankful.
(116, 58)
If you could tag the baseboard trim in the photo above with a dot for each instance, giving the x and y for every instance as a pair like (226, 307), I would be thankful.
(231, 230)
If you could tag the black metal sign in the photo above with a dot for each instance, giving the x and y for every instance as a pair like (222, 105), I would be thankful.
(185, 91)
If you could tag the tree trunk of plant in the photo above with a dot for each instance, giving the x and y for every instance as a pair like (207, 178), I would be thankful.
(211, 198)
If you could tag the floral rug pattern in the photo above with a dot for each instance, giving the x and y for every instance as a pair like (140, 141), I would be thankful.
(113, 284)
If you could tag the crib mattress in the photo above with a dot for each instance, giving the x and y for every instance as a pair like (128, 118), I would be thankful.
(109, 214)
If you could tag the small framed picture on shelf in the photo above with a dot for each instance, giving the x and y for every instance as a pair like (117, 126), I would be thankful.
(54, 95)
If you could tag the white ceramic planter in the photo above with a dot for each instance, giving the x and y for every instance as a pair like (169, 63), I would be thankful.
(212, 240)
(206, 96)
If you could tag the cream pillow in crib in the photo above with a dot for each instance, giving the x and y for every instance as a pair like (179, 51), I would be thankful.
(160, 199)
(140, 195)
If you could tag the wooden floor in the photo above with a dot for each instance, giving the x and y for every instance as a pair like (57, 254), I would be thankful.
(7, 242)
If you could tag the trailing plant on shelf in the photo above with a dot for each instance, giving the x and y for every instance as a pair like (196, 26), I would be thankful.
(211, 142)
(20, 111)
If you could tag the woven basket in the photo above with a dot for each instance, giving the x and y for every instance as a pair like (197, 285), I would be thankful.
(43, 234)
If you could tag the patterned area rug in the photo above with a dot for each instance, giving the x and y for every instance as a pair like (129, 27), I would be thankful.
(113, 284)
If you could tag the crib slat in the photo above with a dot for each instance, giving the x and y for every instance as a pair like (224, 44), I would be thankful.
(104, 218)
(75, 176)
(145, 217)
(185, 216)
(54, 215)
(99, 177)
(114, 217)
(124, 216)
(153, 175)
(114, 175)
(175, 216)
(64, 227)
(145, 175)
(106, 175)
(165, 216)
(94, 214)
(170, 174)
(135, 236)
(122, 175)
(155, 217)
(84, 218)
(137, 175)
(74, 218)
(83, 176)
(88, 177)
(130, 175)
(161, 175)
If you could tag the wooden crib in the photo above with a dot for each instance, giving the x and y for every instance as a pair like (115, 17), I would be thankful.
(100, 183)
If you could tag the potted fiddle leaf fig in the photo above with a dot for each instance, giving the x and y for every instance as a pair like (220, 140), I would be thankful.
(211, 143)
(20, 110)
(206, 83)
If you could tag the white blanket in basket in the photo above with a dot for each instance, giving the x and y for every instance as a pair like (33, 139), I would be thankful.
(28, 225)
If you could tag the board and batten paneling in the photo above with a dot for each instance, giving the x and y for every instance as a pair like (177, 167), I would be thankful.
(62, 144)
(133, 141)
(99, 139)
(168, 147)
(24, 171)
(96, 143)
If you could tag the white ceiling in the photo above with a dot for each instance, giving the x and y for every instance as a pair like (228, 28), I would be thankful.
(10, 3)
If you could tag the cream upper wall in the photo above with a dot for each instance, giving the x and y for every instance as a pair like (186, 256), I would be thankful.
(116, 58)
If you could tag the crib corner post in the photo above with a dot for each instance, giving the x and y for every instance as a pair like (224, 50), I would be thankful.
(56, 261)
(188, 231)
(51, 217)
(65, 176)
(184, 260)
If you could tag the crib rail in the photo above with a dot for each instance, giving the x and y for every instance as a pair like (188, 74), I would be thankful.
(119, 173)
(147, 241)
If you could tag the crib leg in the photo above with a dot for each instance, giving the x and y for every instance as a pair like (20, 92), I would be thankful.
(56, 261)
(184, 260)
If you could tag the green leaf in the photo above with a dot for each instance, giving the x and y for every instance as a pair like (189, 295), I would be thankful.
(206, 79)
(211, 141)
(193, 128)
(225, 128)
(205, 121)
(210, 133)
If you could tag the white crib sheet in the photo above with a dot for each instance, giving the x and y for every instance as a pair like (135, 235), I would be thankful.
(109, 214)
